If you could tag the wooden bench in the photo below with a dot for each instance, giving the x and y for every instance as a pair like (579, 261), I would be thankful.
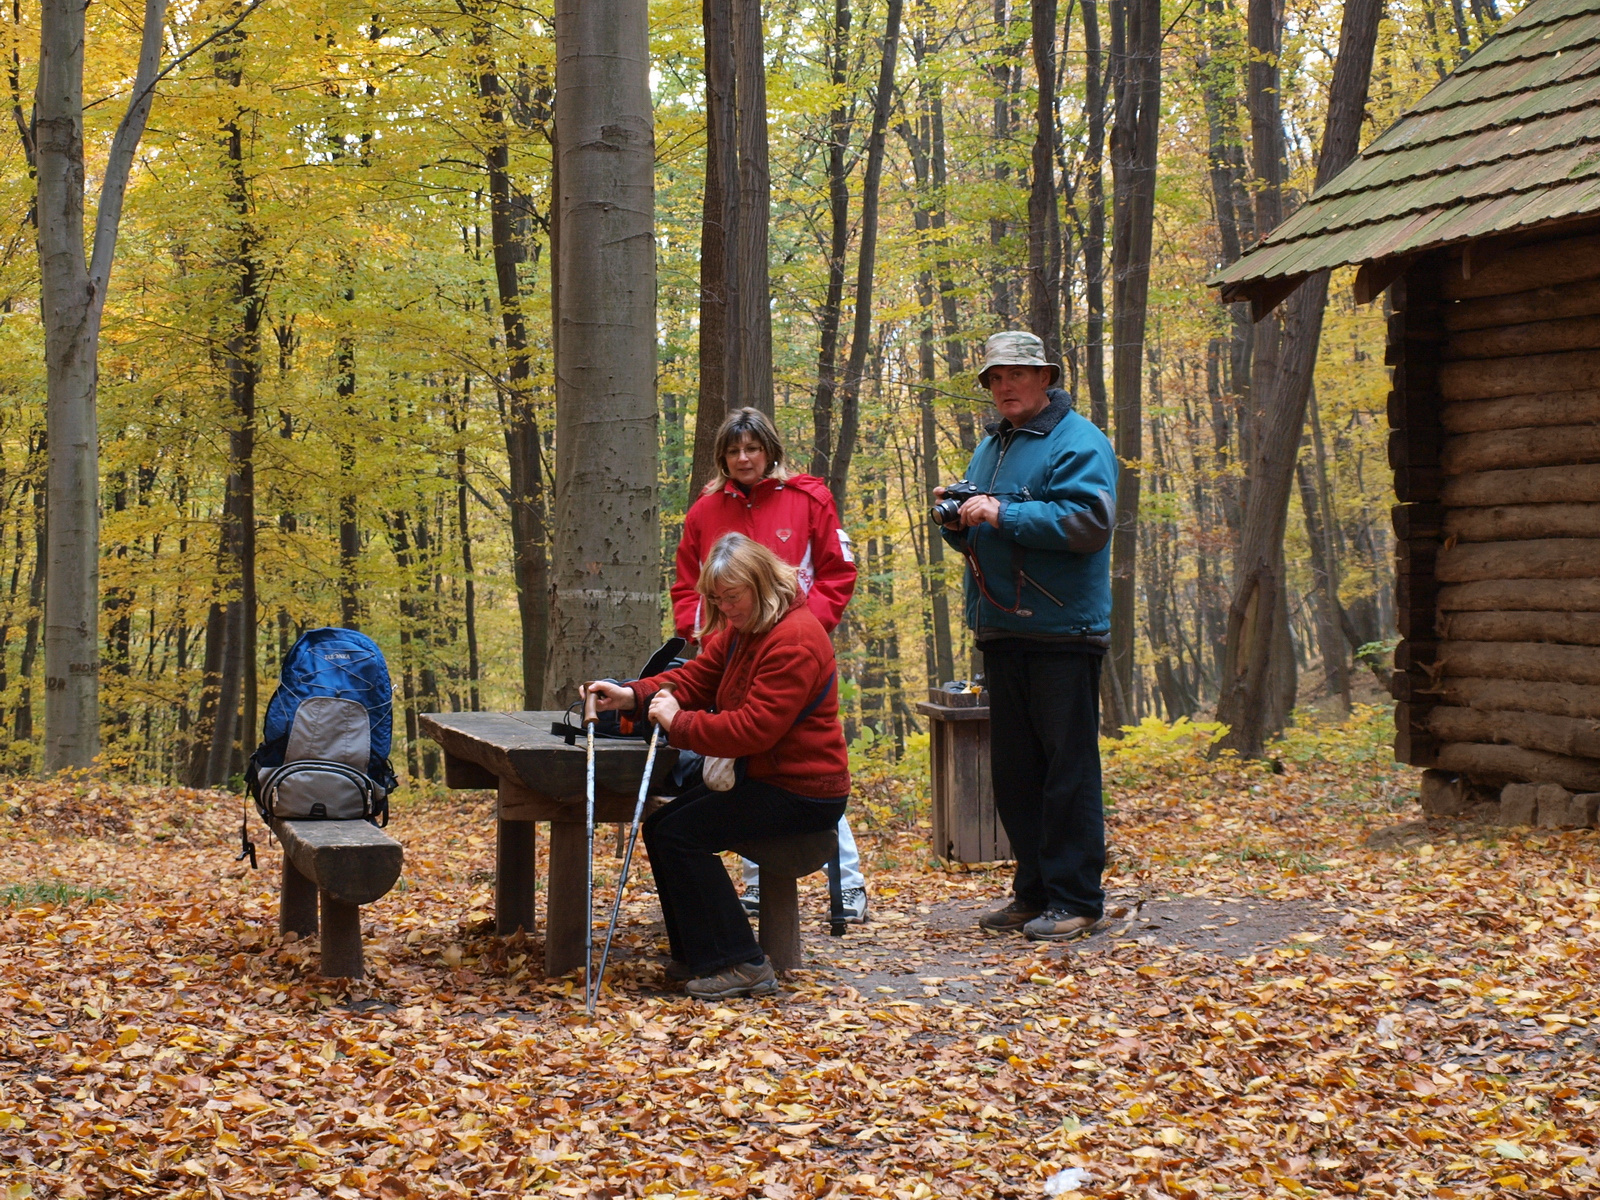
(337, 866)
(782, 862)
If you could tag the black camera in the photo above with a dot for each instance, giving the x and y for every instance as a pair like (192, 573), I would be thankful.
(955, 495)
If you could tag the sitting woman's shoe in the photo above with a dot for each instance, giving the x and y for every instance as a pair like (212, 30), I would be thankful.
(741, 979)
(678, 972)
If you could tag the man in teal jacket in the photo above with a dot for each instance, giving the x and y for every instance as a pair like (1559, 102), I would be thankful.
(1038, 589)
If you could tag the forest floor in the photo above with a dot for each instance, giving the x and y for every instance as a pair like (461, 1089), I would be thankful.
(1277, 1009)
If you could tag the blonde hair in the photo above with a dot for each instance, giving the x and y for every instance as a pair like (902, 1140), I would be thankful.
(740, 424)
(737, 561)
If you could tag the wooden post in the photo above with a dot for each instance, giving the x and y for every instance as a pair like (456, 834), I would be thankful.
(780, 919)
(515, 874)
(297, 901)
(565, 904)
(341, 939)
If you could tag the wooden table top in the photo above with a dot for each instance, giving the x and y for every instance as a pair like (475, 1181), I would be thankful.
(520, 746)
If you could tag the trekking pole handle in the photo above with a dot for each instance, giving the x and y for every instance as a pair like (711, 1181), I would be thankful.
(590, 715)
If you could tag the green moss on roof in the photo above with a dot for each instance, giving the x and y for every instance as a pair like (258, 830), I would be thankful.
(1510, 139)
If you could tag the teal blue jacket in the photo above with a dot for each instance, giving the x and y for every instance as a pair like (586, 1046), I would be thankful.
(1050, 560)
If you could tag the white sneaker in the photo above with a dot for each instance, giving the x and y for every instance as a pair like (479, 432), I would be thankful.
(751, 901)
(855, 905)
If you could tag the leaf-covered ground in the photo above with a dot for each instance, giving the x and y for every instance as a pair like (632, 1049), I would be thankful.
(1415, 1022)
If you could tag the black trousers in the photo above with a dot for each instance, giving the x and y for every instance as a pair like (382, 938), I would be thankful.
(1044, 756)
(706, 925)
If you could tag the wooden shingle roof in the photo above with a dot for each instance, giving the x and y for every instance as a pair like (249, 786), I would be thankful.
(1510, 139)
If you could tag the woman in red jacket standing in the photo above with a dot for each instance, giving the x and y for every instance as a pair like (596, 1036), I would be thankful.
(793, 516)
(763, 689)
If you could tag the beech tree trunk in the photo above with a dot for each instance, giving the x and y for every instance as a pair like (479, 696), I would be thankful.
(72, 299)
(866, 266)
(1136, 45)
(1281, 385)
(606, 604)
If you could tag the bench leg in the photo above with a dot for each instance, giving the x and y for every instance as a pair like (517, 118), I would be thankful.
(341, 939)
(780, 920)
(515, 873)
(565, 905)
(297, 902)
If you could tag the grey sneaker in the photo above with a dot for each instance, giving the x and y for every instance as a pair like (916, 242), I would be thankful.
(751, 901)
(855, 905)
(1009, 919)
(1059, 925)
(741, 979)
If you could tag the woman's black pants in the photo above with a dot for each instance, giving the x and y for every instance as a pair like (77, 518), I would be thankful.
(706, 925)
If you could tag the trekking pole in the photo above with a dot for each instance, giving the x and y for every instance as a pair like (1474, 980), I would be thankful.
(627, 858)
(589, 719)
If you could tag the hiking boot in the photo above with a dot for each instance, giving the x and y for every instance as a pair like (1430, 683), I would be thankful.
(751, 901)
(855, 905)
(678, 972)
(1009, 919)
(1059, 925)
(741, 979)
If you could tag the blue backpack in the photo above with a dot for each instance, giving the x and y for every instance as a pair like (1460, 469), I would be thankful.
(325, 748)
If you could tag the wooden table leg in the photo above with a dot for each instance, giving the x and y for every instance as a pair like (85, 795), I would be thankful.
(780, 919)
(297, 902)
(515, 874)
(565, 905)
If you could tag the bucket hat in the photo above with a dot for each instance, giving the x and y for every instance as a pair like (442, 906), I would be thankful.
(1015, 348)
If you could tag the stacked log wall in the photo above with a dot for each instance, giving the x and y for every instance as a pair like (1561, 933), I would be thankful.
(1495, 445)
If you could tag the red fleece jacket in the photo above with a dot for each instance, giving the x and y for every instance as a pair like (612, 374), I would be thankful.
(745, 707)
(794, 519)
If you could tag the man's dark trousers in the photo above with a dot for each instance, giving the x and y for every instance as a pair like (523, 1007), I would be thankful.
(1044, 755)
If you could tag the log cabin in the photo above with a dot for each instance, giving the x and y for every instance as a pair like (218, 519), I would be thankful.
(1478, 212)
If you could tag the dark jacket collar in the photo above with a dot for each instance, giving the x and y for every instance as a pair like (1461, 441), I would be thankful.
(1051, 416)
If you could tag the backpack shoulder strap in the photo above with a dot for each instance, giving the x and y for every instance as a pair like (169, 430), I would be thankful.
(816, 702)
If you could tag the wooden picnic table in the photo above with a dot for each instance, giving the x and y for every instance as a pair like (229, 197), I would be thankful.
(537, 777)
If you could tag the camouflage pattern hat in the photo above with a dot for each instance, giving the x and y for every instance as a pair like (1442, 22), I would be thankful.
(1015, 348)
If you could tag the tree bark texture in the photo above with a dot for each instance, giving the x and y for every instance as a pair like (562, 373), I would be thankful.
(606, 605)
(1136, 45)
(866, 265)
(1044, 223)
(72, 299)
(1281, 385)
(719, 225)
(1094, 234)
(525, 475)
(832, 316)
(754, 299)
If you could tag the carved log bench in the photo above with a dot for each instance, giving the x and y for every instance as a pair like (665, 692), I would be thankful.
(782, 862)
(337, 866)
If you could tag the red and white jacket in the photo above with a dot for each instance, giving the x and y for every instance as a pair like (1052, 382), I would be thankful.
(795, 519)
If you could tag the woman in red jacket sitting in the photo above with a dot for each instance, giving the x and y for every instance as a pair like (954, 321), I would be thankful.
(792, 515)
(763, 689)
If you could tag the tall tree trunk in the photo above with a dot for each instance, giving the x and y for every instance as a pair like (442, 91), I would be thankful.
(521, 417)
(1256, 625)
(1003, 73)
(720, 332)
(1330, 628)
(1094, 236)
(1044, 222)
(606, 606)
(72, 299)
(349, 501)
(839, 123)
(754, 300)
(464, 533)
(866, 265)
(1136, 43)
